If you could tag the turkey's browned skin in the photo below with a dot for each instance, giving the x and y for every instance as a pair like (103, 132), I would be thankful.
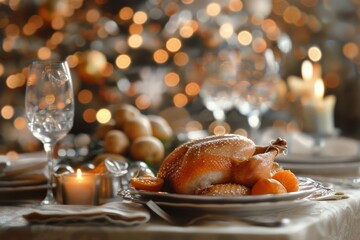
(226, 189)
(260, 165)
(199, 164)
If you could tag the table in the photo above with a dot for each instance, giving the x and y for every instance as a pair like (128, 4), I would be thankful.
(321, 220)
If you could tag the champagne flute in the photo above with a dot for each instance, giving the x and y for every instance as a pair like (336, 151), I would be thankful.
(217, 87)
(256, 87)
(49, 107)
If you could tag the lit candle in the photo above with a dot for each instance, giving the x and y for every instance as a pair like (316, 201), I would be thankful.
(80, 188)
(318, 112)
(303, 87)
(307, 71)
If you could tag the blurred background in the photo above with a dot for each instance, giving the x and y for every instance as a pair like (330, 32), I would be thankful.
(153, 54)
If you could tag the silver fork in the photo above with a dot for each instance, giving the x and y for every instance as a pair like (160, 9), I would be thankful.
(266, 222)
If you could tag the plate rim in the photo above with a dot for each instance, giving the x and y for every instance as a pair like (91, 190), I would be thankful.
(204, 199)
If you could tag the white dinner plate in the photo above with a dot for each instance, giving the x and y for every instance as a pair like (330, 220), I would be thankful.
(239, 209)
(21, 189)
(21, 182)
(335, 150)
(318, 159)
(239, 205)
(306, 187)
(323, 168)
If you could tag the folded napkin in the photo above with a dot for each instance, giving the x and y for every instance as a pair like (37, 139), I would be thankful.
(120, 213)
(25, 170)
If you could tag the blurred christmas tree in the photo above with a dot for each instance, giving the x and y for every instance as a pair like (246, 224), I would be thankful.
(146, 52)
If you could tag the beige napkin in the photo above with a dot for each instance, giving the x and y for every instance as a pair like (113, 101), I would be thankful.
(120, 213)
(25, 170)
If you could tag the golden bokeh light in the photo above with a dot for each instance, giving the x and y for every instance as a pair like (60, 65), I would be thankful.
(173, 44)
(8, 44)
(72, 60)
(315, 54)
(140, 17)
(92, 16)
(123, 61)
(108, 70)
(135, 29)
(332, 80)
(20, 123)
(60, 105)
(292, 14)
(241, 131)
(85, 96)
(171, 8)
(350, 50)
(244, 38)
(193, 126)
(7, 112)
(58, 23)
(192, 89)
(126, 13)
(135, 41)
(95, 62)
(12, 30)
(15, 80)
(44, 53)
(213, 9)
(180, 100)
(171, 79)
(219, 128)
(259, 45)
(160, 56)
(89, 115)
(103, 115)
(36, 20)
(57, 38)
(2, 69)
(142, 102)
(49, 99)
(186, 31)
(29, 29)
(181, 59)
(235, 5)
(269, 26)
(226, 30)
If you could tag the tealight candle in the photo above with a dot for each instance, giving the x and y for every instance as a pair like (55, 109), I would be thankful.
(80, 188)
(318, 112)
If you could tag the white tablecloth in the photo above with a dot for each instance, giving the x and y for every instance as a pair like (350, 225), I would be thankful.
(322, 220)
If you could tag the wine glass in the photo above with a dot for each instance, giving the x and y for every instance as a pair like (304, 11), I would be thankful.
(256, 86)
(49, 107)
(217, 84)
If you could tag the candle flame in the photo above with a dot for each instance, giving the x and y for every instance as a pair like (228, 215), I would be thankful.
(319, 88)
(78, 174)
(307, 70)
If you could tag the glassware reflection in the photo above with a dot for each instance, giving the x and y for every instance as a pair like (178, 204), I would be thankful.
(219, 77)
(256, 86)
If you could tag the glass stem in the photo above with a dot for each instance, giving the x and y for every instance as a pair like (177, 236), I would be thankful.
(49, 149)
(254, 122)
(219, 115)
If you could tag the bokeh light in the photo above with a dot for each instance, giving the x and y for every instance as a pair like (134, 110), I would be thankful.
(103, 115)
